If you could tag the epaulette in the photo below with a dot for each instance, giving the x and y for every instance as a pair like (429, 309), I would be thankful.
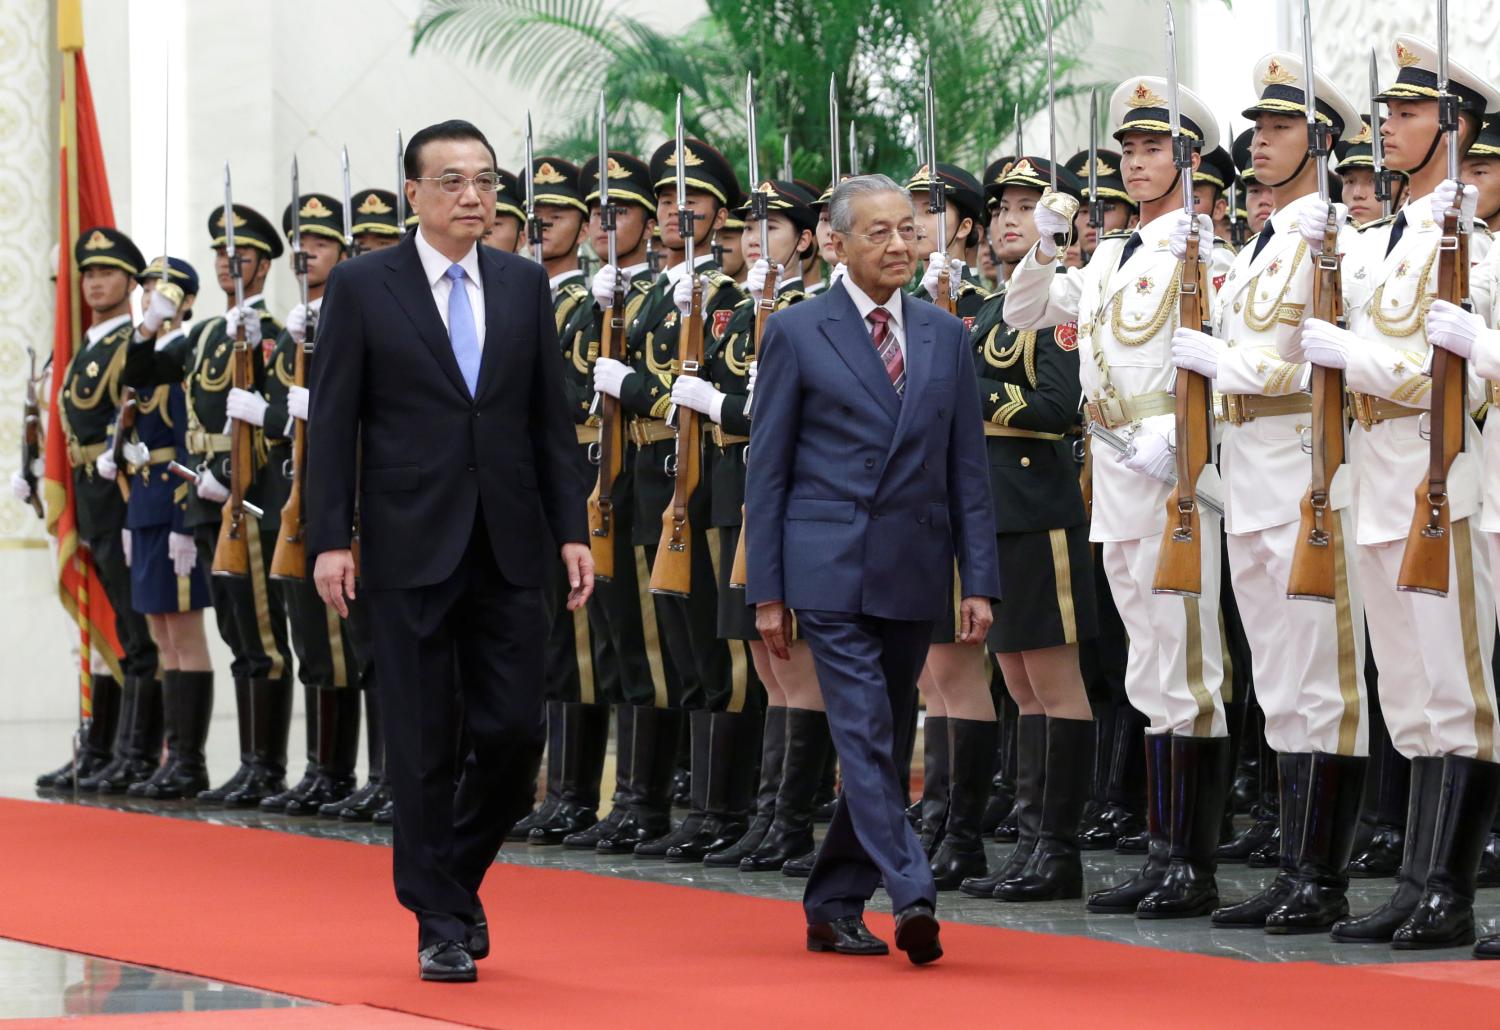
(574, 288)
(717, 278)
(787, 298)
(1377, 223)
(968, 286)
(1117, 234)
(1483, 229)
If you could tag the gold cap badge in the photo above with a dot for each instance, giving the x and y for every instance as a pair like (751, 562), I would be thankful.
(1144, 96)
(1277, 74)
(97, 241)
(1363, 136)
(315, 208)
(1404, 57)
(373, 205)
(616, 169)
(239, 220)
(546, 175)
(688, 157)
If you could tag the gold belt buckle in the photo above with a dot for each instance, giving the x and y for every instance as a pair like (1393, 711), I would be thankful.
(1494, 391)
(1232, 409)
(1364, 411)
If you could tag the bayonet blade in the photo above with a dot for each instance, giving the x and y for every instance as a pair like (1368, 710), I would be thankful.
(751, 131)
(1051, 107)
(786, 157)
(400, 184)
(853, 148)
(235, 272)
(1319, 142)
(1377, 141)
(834, 136)
(1096, 207)
(684, 216)
(1174, 116)
(296, 208)
(1016, 121)
(533, 227)
(606, 202)
(348, 201)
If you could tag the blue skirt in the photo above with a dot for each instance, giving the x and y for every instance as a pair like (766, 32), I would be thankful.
(155, 589)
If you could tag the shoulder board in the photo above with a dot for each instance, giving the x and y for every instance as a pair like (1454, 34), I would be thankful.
(786, 298)
(718, 279)
(968, 286)
(575, 289)
(1377, 223)
(1117, 234)
(1220, 241)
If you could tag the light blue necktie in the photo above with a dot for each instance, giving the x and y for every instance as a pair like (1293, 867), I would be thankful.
(461, 331)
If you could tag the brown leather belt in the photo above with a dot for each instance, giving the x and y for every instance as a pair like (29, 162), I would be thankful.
(1369, 410)
(1239, 408)
(723, 439)
(1114, 412)
(990, 429)
(82, 455)
(204, 444)
(645, 431)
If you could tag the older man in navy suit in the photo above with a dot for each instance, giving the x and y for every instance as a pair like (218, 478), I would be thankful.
(868, 480)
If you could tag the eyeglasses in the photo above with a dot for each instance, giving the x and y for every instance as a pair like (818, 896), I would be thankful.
(882, 237)
(452, 182)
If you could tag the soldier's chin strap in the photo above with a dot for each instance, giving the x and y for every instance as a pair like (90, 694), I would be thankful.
(1176, 181)
(1437, 141)
(1291, 178)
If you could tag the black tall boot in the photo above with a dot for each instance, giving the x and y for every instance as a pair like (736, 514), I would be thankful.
(311, 727)
(1125, 785)
(733, 743)
(960, 854)
(1444, 917)
(1104, 734)
(1294, 772)
(1200, 779)
(1126, 895)
(188, 704)
(119, 744)
(791, 833)
(271, 722)
(1055, 869)
(242, 703)
(772, 759)
(585, 737)
(1003, 784)
(1416, 856)
(522, 829)
(653, 760)
(1251, 728)
(932, 810)
(1335, 788)
(624, 792)
(138, 754)
(338, 748)
(1264, 828)
(164, 769)
(360, 806)
(1031, 776)
(1382, 855)
(98, 740)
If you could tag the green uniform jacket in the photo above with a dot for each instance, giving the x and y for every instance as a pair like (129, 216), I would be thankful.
(88, 402)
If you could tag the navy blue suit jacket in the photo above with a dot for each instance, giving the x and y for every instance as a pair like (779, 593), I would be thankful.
(858, 500)
(387, 395)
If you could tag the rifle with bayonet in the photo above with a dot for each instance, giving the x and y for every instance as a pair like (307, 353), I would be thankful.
(611, 447)
(853, 148)
(1238, 228)
(289, 560)
(533, 223)
(1096, 202)
(1384, 178)
(1425, 564)
(31, 436)
(1179, 566)
(673, 571)
(1061, 238)
(232, 553)
(1320, 537)
(937, 201)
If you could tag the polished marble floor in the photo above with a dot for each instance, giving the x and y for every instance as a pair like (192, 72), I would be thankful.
(24, 750)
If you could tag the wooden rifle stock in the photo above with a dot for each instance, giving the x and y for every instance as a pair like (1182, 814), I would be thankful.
(673, 572)
(611, 450)
(289, 560)
(31, 439)
(1314, 575)
(232, 553)
(124, 422)
(739, 572)
(945, 299)
(1179, 566)
(1424, 565)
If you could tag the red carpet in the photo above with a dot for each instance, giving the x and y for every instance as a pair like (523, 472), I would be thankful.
(317, 919)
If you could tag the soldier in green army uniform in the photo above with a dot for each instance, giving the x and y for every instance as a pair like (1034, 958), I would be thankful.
(965, 211)
(508, 230)
(992, 174)
(92, 385)
(325, 653)
(710, 675)
(728, 248)
(251, 617)
(374, 220)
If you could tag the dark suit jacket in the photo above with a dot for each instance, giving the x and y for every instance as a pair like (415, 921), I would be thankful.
(857, 500)
(387, 392)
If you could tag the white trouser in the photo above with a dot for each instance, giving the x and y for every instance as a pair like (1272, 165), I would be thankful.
(1174, 674)
(1308, 657)
(1437, 691)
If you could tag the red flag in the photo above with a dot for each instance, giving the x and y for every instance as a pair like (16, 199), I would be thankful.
(83, 177)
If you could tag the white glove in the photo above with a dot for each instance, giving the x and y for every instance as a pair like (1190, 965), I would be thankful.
(1196, 352)
(19, 488)
(296, 402)
(609, 376)
(759, 275)
(182, 552)
(935, 270)
(1312, 222)
(246, 406)
(753, 366)
(1325, 344)
(836, 274)
(1151, 455)
(1178, 237)
(682, 293)
(105, 464)
(250, 317)
(137, 453)
(210, 489)
(604, 285)
(1447, 194)
(1053, 216)
(296, 323)
(125, 545)
(158, 310)
(699, 394)
(1452, 328)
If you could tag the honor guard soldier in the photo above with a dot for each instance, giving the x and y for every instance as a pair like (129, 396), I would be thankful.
(251, 617)
(1481, 169)
(728, 248)
(1356, 171)
(88, 401)
(1211, 190)
(1125, 302)
(622, 615)
(709, 675)
(1258, 201)
(168, 585)
(1433, 648)
(993, 173)
(965, 201)
(1308, 657)
(326, 660)
(509, 229)
(374, 222)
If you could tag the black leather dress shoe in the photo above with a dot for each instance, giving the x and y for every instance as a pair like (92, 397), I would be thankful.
(447, 962)
(478, 944)
(917, 934)
(847, 936)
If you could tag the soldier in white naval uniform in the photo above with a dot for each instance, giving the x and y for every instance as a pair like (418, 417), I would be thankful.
(1126, 304)
(1436, 686)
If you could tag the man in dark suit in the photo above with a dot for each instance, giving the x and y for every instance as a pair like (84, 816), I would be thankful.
(868, 480)
(437, 399)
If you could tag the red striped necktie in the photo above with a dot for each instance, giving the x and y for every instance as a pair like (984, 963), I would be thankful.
(887, 347)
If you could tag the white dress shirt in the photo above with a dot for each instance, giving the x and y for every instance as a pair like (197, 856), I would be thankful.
(436, 266)
(864, 305)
